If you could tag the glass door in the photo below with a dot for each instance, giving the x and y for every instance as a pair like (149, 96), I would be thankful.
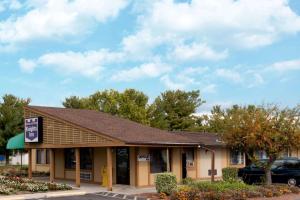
(122, 165)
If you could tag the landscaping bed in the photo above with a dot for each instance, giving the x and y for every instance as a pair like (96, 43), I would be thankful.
(15, 185)
(222, 190)
(17, 170)
(231, 189)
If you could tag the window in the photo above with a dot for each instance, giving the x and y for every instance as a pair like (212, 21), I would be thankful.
(261, 155)
(86, 158)
(236, 158)
(292, 164)
(286, 153)
(70, 161)
(158, 160)
(42, 156)
(189, 155)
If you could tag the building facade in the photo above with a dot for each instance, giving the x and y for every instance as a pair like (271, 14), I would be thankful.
(91, 146)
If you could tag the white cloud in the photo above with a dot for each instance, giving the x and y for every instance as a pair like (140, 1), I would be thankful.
(57, 18)
(15, 5)
(229, 75)
(186, 78)
(197, 51)
(211, 88)
(27, 65)
(258, 80)
(89, 64)
(147, 70)
(288, 65)
(170, 84)
(219, 24)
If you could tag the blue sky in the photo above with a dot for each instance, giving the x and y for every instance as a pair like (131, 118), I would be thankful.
(233, 51)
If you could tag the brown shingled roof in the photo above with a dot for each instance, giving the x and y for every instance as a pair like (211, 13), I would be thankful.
(122, 129)
(208, 139)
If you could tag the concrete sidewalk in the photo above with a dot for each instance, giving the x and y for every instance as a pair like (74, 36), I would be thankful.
(85, 188)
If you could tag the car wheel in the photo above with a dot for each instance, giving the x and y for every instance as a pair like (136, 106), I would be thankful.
(292, 182)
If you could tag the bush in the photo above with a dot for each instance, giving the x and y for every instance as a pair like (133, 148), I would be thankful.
(230, 174)
(165, 183)
(187, 181)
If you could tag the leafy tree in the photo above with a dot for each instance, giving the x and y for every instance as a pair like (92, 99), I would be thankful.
(213, 122)
(268, 129)
(130, 104)
(173, 110)
(74, 102)
(11, 119)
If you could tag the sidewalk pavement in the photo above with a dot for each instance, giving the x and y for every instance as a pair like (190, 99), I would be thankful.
(85, 188)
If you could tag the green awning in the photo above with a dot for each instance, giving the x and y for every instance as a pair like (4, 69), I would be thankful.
(16, 142)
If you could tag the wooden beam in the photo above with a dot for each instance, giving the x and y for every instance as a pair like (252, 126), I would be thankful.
(77, 155)
(51, 165)
(29, 163)
(109, 168)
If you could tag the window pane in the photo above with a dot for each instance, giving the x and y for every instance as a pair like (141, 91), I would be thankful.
(190, 155)
(158, 160)
(47, 156)
(86, 158)
(41, 156)
(70, 159)
(236, 158)
(38, 156)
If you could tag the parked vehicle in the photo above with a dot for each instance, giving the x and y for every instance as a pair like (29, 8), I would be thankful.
(283, 171)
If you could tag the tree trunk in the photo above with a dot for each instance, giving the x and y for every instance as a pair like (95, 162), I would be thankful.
(6, 157)
(268, 176)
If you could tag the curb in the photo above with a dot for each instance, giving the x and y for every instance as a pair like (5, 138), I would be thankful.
(42, 195)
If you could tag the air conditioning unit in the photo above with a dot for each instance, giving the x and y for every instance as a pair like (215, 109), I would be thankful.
(86, 176)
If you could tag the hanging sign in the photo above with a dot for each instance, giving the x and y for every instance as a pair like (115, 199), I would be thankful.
(143, 157)
(33, 130)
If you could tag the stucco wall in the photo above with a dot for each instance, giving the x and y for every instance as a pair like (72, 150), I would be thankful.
(70, 174)
(132, 160)
(176, 163)
(100, 159)
(205, 162)
(59, 163)
(295, 153)
(143, 168)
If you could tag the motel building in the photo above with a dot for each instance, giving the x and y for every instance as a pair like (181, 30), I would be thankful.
(95, 147)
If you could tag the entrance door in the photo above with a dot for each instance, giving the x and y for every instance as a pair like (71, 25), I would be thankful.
(183, 164)
(122, 165)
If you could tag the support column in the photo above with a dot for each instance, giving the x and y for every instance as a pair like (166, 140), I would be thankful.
(109, 169)
(29, 163)
(51, 165)
(168, 160)
(77, 155)
(212, 166)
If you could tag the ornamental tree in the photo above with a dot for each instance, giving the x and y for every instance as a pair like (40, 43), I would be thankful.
(264, 128)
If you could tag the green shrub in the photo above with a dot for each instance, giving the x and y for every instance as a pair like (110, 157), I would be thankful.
(165, 183)
(230, 174)
(187, 181)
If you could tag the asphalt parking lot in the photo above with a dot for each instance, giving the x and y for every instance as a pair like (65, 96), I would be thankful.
(81, 197)
(96, 196)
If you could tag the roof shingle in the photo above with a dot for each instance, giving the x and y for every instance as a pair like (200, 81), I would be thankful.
(122, 129)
